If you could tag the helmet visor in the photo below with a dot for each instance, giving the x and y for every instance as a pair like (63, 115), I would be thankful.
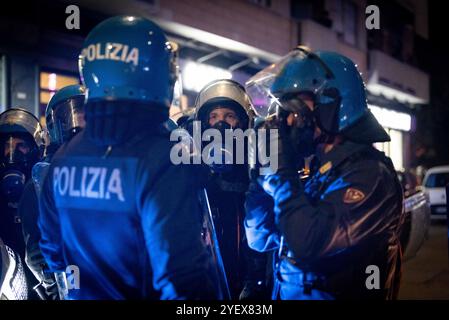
(299, 72)
(66, 119)
(17, 120)
(17, 148)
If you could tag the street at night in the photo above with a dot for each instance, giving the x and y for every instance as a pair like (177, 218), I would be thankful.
(426, 276)
(227, 155)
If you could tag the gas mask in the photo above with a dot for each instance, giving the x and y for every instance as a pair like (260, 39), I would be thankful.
(12, 185)
(222, 126)
(298, 123)
(21, 144)
(15, 167)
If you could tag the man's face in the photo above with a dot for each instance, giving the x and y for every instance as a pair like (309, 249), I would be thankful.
(223, 114)
(15, 143)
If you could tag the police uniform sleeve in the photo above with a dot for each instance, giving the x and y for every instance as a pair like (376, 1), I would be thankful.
(49, 225)
(260, 227)
(360, 204)
(170, 217)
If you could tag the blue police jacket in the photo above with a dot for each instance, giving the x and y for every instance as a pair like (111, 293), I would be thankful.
(126, 220)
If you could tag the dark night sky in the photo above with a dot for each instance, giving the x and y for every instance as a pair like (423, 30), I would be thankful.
(433, 120)
(439, 26)
(438, 14)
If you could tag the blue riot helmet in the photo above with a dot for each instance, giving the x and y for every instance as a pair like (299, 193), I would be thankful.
(345, 92)
(351, 117)
(280, 90)
(21, 146)
(331, 80)
(129, 69)
(65, 114)
(129, 58)
(300, 71)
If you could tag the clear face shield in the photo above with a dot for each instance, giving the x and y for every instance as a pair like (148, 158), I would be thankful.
(286, 93)
(21, 138)
(176, 80)
(300, 73)
(66, 120)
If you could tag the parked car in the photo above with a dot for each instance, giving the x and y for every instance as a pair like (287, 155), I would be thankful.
(434, 184)
(417, 215)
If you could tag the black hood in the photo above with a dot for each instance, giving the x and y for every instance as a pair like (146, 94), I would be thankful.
(110, 123)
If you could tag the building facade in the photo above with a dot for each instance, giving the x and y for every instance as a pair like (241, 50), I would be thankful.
(231, 39)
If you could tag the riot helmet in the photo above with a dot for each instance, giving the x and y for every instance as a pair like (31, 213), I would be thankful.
(65, 114)
(21, 146)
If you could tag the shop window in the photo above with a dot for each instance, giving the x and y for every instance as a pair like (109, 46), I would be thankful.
(394, 148)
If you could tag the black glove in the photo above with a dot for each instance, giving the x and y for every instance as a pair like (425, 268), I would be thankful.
(285, 159)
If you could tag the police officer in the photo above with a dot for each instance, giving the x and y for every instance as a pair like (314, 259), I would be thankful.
(336, 236)
(21, 146)
(224, 105)
(127, 218)
(64, 118)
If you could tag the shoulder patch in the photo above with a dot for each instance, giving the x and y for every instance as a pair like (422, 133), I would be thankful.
(325, 167)
(353, 195)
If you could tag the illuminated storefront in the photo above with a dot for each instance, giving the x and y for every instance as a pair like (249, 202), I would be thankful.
(398, 125)
(203, 62)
